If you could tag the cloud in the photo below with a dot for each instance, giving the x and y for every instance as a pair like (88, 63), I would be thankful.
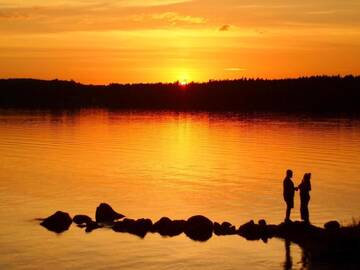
(225, 27)
(174, 17)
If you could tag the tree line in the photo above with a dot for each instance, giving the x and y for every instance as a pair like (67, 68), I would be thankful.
(317, 94)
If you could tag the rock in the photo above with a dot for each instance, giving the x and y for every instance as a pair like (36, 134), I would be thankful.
(332, 225)
(58, 222)
(250, 231)
(105, 214)
(177, 227)
(199, 228)
(138, 227)
(162, 226)
(124, 225)
(81, 219)
(224, 229)
(141, 227)
(217, 228)
(92, 225)
(168, 227)
(262, 222)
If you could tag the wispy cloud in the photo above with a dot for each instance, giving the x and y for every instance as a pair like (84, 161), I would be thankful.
(321, 12)
(174, 17)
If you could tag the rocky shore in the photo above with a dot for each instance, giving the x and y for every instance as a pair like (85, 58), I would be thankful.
(330, 241)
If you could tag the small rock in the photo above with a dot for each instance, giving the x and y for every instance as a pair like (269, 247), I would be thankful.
(92, 225)
(58, 222)
(332, 225)
(262, 222)
(250, 231)
(224, 229)
(105, 213)
(81, 219)
(162, 226)
(124, 225)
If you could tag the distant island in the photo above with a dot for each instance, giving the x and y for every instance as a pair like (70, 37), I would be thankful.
(317, 94)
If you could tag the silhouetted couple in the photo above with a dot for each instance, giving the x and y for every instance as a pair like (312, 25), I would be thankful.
(289, 192)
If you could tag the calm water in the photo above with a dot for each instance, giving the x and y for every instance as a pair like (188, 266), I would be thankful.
(227, 167)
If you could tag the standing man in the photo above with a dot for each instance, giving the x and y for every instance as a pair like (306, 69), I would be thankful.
(289, 192)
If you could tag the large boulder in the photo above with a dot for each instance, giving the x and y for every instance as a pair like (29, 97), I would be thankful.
(105, 214)
(199, 228)
(81, 219)
(58, 222)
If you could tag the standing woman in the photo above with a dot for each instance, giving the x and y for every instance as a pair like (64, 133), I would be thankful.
(305, 188)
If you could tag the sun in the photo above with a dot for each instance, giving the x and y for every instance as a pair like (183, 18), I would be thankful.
(183, 82)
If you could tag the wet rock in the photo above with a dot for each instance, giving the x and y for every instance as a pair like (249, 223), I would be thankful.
(58, 222)
(92, 225)
(105, 214)
(81, 219)
(332, 225)
(199, 228)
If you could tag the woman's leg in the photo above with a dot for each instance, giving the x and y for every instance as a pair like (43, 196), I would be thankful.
(306, 211)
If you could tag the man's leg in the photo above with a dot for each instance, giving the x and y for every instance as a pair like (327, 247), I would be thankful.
(288, 209)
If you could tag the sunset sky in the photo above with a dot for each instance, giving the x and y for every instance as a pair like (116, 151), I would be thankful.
(103, 41)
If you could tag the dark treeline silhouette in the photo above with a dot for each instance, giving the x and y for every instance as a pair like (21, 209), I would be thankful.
(319, 94)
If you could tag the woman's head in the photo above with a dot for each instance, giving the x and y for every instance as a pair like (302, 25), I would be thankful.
(307, 177)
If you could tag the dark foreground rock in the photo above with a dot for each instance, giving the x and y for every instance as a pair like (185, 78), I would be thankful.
(105, 214)
(199, 228)
(58, 222)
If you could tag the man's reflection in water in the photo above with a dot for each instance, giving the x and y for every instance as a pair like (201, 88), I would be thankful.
(288, 259)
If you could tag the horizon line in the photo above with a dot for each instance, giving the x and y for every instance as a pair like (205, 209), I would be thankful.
(190, 82)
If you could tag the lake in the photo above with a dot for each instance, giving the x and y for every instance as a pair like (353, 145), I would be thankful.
(228, 167)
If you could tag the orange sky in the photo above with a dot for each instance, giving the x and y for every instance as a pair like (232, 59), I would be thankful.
(103, 41)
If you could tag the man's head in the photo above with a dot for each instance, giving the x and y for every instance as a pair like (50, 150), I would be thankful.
(289, 173)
